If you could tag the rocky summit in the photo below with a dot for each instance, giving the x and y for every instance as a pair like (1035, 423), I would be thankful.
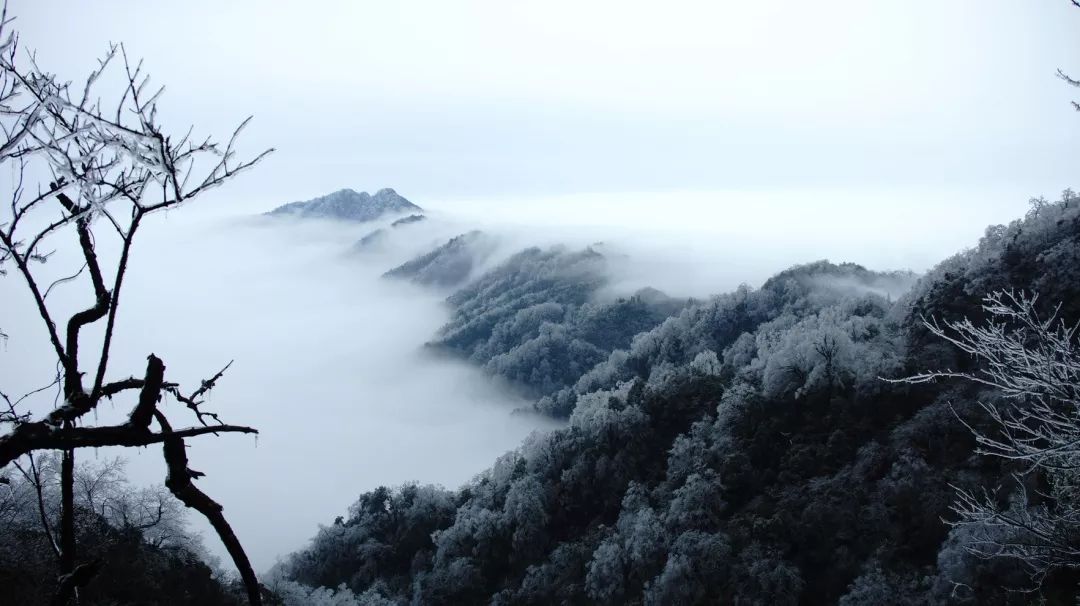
(349, 205)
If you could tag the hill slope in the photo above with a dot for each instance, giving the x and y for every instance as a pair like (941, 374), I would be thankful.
(745, 450)
(448, 265)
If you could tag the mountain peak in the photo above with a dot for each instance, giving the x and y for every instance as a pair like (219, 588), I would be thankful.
(349, 205)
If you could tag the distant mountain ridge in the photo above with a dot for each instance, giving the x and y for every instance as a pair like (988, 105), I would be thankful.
(349, 205)
(408, 220)
(380, 235)
(448, 265)
(742, 448)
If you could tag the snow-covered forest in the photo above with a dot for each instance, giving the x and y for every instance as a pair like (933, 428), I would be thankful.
(755, 447)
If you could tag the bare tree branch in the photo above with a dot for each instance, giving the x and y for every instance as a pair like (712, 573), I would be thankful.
(34, 478)
(115, 162)
(179, 482)
(29, 437)
(1033, 362)
(149, 395)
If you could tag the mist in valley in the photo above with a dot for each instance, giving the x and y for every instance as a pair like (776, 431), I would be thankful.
(329, 358)
(329, 366)
(574, 337)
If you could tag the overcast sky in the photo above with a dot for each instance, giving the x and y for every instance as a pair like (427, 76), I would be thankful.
(470, 98)
(886, 133)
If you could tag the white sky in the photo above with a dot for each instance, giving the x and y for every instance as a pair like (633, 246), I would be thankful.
(488, 97)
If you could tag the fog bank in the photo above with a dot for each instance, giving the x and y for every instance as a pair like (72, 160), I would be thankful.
(329, 364)
(699, 243)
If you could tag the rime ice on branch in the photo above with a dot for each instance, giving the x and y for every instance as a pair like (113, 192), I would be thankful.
(1033, 362)
(112, 165)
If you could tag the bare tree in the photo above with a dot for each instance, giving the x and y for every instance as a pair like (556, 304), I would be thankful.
(1068, 79)
(103, 493)
(1033, 364)
(1072, 82)
(110, 167)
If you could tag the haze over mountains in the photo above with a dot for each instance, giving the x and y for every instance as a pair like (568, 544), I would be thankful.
(540, 318)
(688, 303)
(408, 359)
(738, 447)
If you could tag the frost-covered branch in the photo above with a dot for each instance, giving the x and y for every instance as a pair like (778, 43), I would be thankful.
(111, 164)
(1032, 362)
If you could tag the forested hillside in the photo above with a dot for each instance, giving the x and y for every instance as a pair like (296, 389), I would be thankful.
(448, 265)
(745, 449)
(683, 319)
(536, 320)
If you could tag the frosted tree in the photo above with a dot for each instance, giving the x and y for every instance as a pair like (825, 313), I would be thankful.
(109, 167)
(1068, 79)
(102, 493)
(1033, 363)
